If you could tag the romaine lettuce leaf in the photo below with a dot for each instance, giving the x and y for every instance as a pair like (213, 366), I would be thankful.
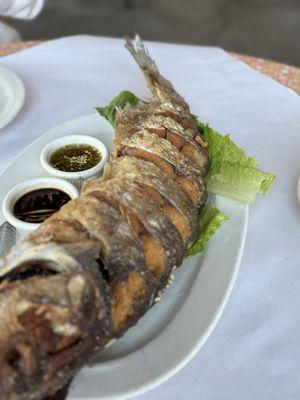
(119, 102)
(210, 219)
(231, 172)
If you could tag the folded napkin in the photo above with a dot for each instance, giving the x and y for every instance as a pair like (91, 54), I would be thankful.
(254, 352)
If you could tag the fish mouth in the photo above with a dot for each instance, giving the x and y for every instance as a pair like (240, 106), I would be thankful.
(47, 328)
(29, 269)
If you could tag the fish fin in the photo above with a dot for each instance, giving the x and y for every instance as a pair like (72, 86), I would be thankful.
(141, 55)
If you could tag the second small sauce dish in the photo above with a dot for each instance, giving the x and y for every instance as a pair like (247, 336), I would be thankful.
(29, 203)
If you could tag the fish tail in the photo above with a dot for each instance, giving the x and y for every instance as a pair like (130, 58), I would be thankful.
(141, 55)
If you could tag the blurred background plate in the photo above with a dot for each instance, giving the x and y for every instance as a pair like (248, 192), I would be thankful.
(12, 96)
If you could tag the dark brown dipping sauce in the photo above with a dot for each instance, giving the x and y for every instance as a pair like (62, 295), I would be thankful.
(38, 205)
(75, 158)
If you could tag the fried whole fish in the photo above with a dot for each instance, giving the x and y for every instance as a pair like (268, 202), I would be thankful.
(91, 270)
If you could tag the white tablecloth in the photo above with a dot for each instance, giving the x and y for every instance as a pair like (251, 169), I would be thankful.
(254, 353)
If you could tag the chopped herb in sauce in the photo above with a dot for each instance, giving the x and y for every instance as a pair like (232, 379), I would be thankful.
(75, 158)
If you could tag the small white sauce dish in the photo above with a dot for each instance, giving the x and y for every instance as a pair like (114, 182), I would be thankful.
(25, 187)
(75, 177)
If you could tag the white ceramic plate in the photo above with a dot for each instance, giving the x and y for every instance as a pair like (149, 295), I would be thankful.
(174, 330)
(12, 96)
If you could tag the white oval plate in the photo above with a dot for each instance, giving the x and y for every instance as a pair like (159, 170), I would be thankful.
(174, 330)
(12, 96)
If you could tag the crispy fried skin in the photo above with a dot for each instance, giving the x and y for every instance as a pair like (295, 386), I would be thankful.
(94, 268)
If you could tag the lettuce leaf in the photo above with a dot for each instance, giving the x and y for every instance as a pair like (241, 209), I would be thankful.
(118, 103)
(210, 219)
(231, 172)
